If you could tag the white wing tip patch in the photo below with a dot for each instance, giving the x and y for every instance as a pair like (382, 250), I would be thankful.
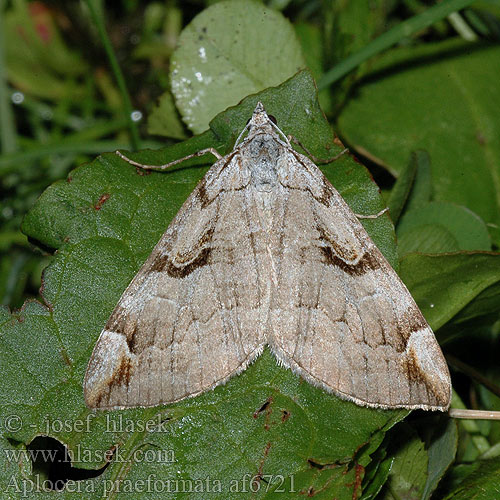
(109, 354)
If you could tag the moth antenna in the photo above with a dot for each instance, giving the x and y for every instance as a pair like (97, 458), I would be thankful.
(241, 134)
(314, 158)
(280, 132)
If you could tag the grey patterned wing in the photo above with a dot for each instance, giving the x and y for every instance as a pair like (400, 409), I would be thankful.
(340, 316)
(190, 318)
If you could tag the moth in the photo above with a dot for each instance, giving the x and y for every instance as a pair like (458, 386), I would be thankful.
(265, 252)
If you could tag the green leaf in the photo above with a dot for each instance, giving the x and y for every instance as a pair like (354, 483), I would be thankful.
(164, 119)
(457, 475)
(377, 473)
(59, 219)
(429, 238)
(228, 51)
(265, 424)
(484, 304)
(421, 452)
(443, 285)
(13, 468)
(408, 474)
(482, 484)
(440, 227)
(441, 445)
(399, 108)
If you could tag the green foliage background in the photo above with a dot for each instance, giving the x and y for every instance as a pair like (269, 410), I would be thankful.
(410, 87)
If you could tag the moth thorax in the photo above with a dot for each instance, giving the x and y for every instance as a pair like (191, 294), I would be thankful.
(264, 152)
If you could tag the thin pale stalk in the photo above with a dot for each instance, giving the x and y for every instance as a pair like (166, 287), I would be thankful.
(480, 442)
(474, 414)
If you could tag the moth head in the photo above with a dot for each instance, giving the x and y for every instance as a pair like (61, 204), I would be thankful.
(261, 122)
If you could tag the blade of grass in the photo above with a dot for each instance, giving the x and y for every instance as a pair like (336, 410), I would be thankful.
(390, 38)
(7, 126)
(10, 162)
(95, 9)
(461, 27)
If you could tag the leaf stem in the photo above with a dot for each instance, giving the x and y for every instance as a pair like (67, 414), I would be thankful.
(473, 374)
